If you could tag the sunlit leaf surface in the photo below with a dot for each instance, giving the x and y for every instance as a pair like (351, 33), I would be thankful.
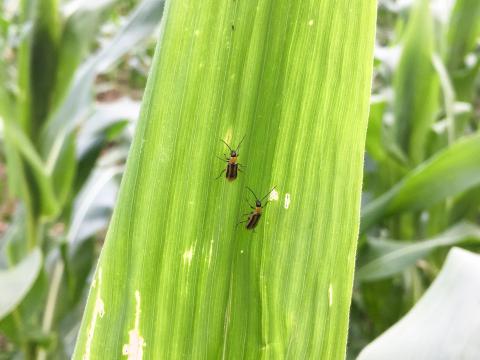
(177, 277)
(444, 324)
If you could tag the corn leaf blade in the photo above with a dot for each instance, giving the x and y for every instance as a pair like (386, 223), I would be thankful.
(449, 173)
(415, 75)
(463, 31)
(448, 308)
(176, 277)
(17, 281)
(396, 256)
(72, 109)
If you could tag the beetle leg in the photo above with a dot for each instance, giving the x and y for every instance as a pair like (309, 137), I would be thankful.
(220, 174)
(218, 157)
(241, 222)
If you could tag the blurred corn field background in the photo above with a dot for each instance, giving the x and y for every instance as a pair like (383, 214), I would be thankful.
(73, 74)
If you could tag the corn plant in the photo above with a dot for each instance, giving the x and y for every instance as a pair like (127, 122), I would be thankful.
(177, 277)
(53, 135)
(422, 181)
(448, 306)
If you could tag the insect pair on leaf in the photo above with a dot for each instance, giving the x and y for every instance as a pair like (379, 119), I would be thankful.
(231, 173)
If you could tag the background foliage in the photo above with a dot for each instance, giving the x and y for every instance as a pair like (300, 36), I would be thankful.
(64, 146)
(421, 182)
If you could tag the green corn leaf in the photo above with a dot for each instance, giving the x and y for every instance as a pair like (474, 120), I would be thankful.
(463, 32)
(63, 174)
(78, 34)
(108, 121)
(374, 145)
(7, 113)
(449, 173)
(465, 206)
(445, 321)
(24, 66)
(379, 148)
(14, 240)
(40, 177)
(176, 277)
(43, 62)
(416, 85)
(139, 25)
(462, 35)
(17, 281)
(396, 256)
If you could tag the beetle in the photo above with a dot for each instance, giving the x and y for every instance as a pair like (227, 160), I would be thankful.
(254, 216)
(231, 171)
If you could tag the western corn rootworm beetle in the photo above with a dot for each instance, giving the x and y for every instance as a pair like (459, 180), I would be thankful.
(254, 216)
(231, 171)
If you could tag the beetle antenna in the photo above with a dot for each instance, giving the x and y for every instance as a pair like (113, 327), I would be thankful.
(229, 148)
(256, 198)
(240, 143)
(268, 194)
